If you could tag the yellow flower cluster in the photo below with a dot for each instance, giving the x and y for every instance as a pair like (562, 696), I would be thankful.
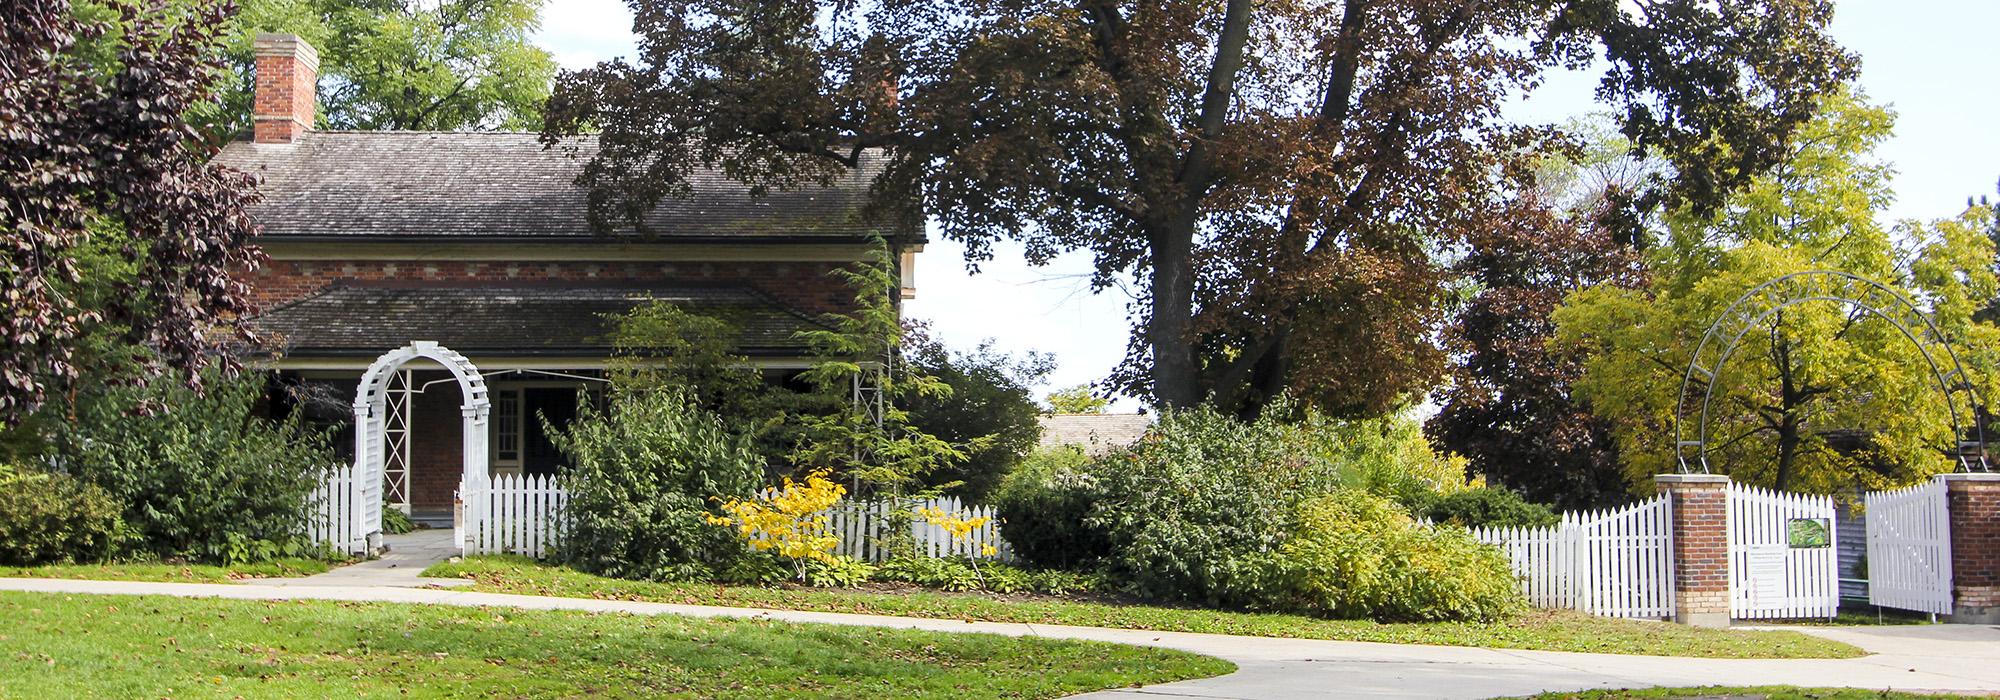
(789, 521)
(958, 526)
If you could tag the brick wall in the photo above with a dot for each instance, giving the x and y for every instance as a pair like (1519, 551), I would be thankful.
(1701, 546)
(1974, 503)
(437, 446)
(806, 286)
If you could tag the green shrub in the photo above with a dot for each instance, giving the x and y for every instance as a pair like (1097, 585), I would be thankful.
(1000, 578)
(1057, 582)
(1187, 508)
(1388, 457)
(841, 572)
(1485, 507)
(754, 568)
(1211, 510)
(931, 572)
(1355, 554)
(201, 476)
(645, 475)
(1042, 506)
(52, 518)
(396, 522)
(991, 409)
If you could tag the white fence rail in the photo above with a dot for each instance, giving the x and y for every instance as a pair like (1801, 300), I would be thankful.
(1784, 561)
(333, 513)
(1616, 563)
(1909, 548)
(513, 515)
(861, 526)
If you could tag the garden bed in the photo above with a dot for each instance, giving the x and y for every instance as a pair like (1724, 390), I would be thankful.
(127, 646)
(1545, 630)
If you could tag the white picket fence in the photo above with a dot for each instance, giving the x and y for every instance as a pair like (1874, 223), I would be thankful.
(515, 514)
(860, 525)
(333, 513)
(1909, 548)
(1771, 576)
(1616, 563)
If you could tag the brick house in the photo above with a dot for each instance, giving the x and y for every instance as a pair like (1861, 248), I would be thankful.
(478, 241)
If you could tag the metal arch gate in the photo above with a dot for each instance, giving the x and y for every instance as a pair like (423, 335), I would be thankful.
(1757, 306)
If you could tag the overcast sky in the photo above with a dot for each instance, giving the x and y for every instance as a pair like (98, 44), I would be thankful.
(1932, 61)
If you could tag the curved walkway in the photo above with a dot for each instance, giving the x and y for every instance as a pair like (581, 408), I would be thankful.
(1961, 658)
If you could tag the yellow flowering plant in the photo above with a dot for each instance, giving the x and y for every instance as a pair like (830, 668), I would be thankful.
(789, 521)
(960, 528)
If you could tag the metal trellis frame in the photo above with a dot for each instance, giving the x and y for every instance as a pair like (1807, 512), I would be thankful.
(1756, 307)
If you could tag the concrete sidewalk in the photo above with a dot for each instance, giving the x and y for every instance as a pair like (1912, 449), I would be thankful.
(1937, 657)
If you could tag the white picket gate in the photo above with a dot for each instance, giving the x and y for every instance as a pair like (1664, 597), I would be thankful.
(513, 514)
(1909, 548)
(333, 513)
(861, 524)
(1616, 563)
(1777, 569)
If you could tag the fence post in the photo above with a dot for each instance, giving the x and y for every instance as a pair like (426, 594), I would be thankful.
(1973, 503)
(1699, 505)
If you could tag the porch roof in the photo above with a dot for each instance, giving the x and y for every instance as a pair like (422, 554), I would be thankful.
(363, 320)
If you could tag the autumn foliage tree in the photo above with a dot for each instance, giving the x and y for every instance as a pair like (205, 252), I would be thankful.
(1278, 178)
(95, 148)
(1820, 396)
(1510, 408)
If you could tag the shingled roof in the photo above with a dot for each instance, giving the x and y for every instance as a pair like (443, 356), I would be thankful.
(357, 185)
(1096, 433)
(364, 320)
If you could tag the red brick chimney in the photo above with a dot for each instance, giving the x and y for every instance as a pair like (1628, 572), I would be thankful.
(287, 88)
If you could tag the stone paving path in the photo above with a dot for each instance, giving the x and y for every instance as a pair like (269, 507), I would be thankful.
(409, 554)
(1960, 658)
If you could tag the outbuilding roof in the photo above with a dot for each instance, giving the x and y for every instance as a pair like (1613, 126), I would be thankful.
(1096, 433)
(361, 320)
(358, 185)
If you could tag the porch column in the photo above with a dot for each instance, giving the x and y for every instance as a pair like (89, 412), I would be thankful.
(1700, 505)
(1973, 504)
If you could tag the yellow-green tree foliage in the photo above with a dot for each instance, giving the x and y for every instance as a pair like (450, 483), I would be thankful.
(1823, 396)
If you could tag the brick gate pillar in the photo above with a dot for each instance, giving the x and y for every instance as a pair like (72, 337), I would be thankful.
(1973, 501)
(1701, 546)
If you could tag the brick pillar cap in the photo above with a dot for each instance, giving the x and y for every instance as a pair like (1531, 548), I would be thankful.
(1977, 476)
(287, 46)
(1690, 478)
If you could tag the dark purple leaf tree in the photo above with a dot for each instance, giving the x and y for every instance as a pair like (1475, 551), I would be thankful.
(94, 147)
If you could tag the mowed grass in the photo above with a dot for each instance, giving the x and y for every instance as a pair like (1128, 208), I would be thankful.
(54, 645)
(1549, 630)
(1755, 693)
(180, 573)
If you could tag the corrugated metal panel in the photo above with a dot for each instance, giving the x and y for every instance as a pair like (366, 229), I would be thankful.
(1853, 539)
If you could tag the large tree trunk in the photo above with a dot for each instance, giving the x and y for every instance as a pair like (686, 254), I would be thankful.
(1176, 372)
(1176, 376)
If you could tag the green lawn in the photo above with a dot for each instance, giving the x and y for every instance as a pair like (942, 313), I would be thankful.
(1558, 631)
(182, 573)
(1758, 693)
(55, 645)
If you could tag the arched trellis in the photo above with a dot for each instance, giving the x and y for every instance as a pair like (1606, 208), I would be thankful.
(1756, 307)
(370, 407)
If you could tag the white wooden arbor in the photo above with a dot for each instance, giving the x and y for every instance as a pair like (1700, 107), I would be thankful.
(371, 406)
